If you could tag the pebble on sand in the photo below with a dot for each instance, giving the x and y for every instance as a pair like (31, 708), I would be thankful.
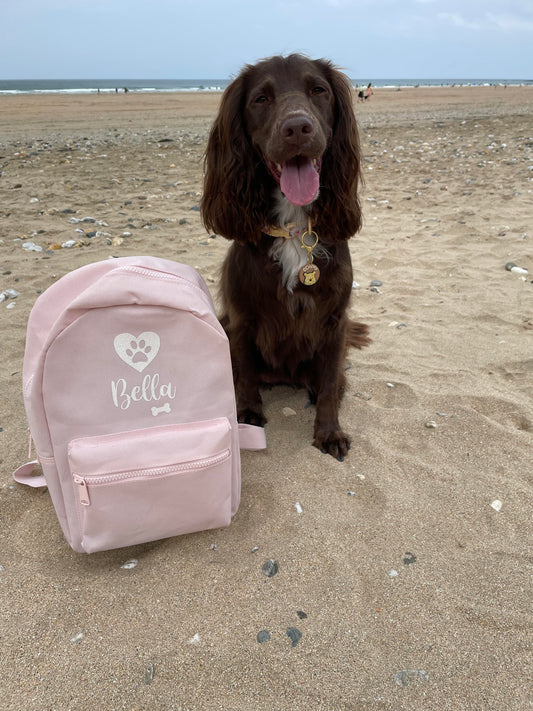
(406, 677)
(515, 269)
(294, 635)
(149, 674)
(270, 568)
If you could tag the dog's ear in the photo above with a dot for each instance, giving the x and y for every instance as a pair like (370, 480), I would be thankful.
(230, 206)
(340, 210)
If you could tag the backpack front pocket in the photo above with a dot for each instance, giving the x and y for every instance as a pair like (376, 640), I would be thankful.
(143, 485)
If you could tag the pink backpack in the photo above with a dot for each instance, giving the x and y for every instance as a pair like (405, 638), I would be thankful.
(129, 395)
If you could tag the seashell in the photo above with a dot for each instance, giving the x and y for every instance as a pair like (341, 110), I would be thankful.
(31, 247)
(129, 564)
(9, 294)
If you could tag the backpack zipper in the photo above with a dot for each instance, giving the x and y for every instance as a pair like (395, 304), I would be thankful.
(154, 274)
(83, 481)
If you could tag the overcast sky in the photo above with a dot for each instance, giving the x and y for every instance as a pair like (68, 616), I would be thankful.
(172, 39)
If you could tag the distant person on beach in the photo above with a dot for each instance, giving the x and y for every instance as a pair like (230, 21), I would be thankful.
(365, 94)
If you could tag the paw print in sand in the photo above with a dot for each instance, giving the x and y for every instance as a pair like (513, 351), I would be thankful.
(137, 351)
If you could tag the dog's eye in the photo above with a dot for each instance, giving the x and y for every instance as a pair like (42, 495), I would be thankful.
(261, 99)
(318, 90)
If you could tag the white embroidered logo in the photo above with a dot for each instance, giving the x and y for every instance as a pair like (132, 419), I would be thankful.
(137, 351)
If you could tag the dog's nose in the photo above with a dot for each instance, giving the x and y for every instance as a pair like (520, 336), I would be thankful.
(297, 129)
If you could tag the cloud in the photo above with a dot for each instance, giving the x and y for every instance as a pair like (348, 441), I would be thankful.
(509, 23)
(459, 21)
(491, 20)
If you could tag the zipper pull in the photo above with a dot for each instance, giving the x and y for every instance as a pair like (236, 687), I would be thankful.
(83, 494)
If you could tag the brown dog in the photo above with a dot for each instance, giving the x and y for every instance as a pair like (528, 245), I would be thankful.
(281, 177)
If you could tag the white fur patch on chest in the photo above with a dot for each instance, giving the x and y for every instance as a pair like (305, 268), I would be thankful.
(289, 253)
(291, 257)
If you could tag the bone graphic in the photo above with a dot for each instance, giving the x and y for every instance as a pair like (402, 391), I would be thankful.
(158, 410)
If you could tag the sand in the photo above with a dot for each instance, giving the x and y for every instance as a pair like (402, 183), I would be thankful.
(410, 590)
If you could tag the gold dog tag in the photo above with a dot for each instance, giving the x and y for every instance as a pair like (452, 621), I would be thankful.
(309, 274)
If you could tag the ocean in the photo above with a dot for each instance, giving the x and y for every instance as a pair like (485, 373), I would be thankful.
(92, 86)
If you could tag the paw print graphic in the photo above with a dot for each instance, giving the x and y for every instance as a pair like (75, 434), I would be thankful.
(137, 351)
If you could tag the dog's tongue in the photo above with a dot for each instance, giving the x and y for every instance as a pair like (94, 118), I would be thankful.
(299, 181)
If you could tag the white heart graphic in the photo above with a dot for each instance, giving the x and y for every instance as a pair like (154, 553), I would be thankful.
(137, 351)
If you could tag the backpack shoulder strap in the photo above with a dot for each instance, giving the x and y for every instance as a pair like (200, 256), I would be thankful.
(24, 475)
(251, 437)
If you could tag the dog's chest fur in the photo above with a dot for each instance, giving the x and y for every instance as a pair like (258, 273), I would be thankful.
(289, 252)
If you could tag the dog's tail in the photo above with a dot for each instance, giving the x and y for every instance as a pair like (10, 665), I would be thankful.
(357, 335)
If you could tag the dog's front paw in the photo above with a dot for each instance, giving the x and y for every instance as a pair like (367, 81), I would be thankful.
(250, 416)
(335, 443)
